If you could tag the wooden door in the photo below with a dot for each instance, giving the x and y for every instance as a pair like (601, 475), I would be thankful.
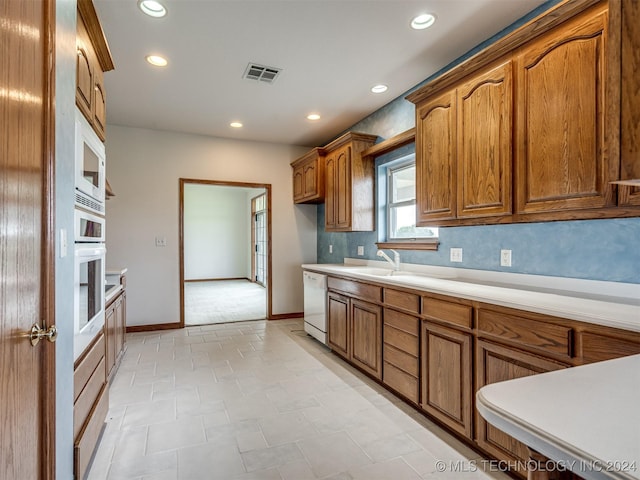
(497, 363)
(99, 104)
(446, 376)
(331, 192)
(310, 181)
(110, 318)
(484, 153)
(435, 159)
(366, 333)
(338, 324)
(562, 159)
(343, 188)
(27, 373)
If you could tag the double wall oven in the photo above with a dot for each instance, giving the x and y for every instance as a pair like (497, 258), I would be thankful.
(89, 236)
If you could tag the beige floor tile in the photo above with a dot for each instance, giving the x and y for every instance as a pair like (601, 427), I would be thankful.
(387, 448)
(149, 413)
(332, 454)
(209, 461)
(396, 469)
(297, 471)
(248, 441)
(266, 458)
(286, 428)
(131, 468)
(178, 434)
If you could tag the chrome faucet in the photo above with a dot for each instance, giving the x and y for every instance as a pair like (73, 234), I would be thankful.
(396, 258)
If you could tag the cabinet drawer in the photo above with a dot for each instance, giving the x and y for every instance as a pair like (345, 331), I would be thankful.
(86, 442)
(402, 321)
(400, 359)
(87, 398)
(401, 382)
(87, 365)
(596, 348)
(448, 312)
(527, 332)
(401, 340)
(402, 300)
(357, 289)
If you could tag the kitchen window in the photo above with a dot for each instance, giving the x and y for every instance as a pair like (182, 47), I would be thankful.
(401, 205)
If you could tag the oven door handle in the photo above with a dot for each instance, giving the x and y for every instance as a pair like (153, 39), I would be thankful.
(90, 252)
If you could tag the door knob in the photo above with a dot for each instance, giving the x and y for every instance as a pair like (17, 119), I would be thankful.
(37, 333)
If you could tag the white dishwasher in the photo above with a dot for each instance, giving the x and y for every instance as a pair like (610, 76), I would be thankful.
(315, 305)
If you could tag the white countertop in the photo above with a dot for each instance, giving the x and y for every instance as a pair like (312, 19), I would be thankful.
(603, 303)
(586, 418)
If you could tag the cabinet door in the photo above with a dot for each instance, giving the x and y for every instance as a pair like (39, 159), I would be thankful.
(435, 159)
(338, 324)
(310, 183)
(366, 332)
(84, 80)
(298, 183)
(446, 376)
(343, 188)
(331, 192)
(99, 103)
(484, 153)
(561, 157)
(496, 363)
(109, 337)
(119, 327)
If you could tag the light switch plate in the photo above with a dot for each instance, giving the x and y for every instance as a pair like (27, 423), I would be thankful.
(161, 241)
(63, 242)
(330, 248)
(360, 250)
(455, 255)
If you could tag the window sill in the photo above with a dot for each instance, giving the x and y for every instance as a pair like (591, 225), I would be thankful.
(411, 245)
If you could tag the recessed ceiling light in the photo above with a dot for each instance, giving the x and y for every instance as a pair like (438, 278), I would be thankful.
(379, 88)
(157, 60)
(235, 124)
(152, 8)
(423, 21)
(313, 116)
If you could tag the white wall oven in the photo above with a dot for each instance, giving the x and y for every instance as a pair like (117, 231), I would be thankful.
(88, 228)
(89, 292)
(89, 167)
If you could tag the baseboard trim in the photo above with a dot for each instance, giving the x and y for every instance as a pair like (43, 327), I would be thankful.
(151, 328)
(285, 316)
(216, 279)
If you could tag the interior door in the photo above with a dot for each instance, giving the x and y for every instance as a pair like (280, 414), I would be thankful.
(259, 234)
(27, 383)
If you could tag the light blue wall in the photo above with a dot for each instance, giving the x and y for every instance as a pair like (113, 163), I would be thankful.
(588, 249)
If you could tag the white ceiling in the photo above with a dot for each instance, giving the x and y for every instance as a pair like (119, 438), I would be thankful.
(330, 51)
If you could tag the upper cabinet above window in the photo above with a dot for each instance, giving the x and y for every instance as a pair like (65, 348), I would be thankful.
(530, 128)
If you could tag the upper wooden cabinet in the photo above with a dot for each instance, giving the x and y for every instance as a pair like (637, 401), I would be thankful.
(308, 177)
(463, 145)
(562, 161)
(536, 126)
(93, 58)
(350, 202)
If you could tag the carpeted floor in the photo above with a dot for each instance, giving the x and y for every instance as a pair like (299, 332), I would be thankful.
(223, 301)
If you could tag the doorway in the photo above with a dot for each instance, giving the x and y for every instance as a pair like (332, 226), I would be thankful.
(225, 253)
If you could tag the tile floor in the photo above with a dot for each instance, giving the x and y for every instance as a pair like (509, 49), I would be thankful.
(223, 301)
(261, 400)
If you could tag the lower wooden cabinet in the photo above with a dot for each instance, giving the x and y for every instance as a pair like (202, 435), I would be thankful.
(115, 326)
(497, 363)
(401, 353)
(91, 402)
(355, 332)
(446, 376)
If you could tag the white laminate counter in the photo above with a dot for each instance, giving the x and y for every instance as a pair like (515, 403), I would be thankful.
(602, 303)
(585, 418)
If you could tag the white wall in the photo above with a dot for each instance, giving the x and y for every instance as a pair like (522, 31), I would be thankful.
(217, 234)
(143, 167)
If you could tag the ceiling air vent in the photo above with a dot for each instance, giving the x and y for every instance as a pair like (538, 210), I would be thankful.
(261, 73)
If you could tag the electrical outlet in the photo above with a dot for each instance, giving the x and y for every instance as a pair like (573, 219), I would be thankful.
(330, 248)
(505, 258)
(161, 241)
(455, 254)
(360, 250)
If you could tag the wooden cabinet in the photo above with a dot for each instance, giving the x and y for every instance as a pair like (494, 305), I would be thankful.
(93, 59)
(90, 404)
(349, 177)
(463, 149)
(309, 178)
(446, 362)
(536, 126)
(562, 158)
(115, 329)
(497, 363)
(354, 326)
(401, 353)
